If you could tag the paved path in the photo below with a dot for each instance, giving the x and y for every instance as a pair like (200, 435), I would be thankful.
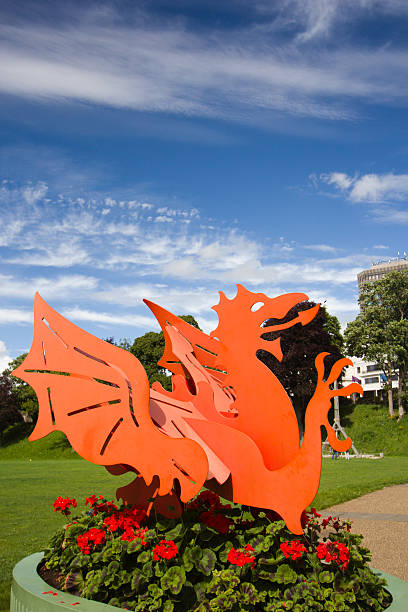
(382, 518)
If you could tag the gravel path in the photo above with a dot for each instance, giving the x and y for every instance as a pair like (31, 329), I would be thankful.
(382, 518)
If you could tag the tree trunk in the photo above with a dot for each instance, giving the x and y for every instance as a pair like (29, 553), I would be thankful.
(390, 403)
(401, 386)
(390, 398)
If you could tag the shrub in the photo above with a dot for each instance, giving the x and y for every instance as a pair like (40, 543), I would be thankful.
(215, 557)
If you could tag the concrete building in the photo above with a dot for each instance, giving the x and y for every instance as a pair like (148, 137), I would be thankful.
(371, 377)
(381, 268)
(369, 374)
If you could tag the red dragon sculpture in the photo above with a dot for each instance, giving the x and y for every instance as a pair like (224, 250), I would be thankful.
(228, 424)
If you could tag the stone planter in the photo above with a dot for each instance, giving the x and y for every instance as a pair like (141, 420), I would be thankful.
(29, 593)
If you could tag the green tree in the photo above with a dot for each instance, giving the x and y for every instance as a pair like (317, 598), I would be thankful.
(9, 405)
(380, 331)
(24, 393)
(300, 346)
(149, 349)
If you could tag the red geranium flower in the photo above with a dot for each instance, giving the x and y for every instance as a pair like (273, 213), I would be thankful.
(216, 520)
(91, 538)
(164, 550)
(334, 552)
(239, 556)
(62, 504)
(292, 550)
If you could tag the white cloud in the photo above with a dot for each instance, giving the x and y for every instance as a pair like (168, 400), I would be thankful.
(14, 315)
(179, 300)
(370, 188)
(56, 255)
(104, 319)
(316, 19)
(339, 179)
(390, 215)
(33, 194)
(170, 69)
(4, 356)
(335, 304)
(324, 248)
(49, 288)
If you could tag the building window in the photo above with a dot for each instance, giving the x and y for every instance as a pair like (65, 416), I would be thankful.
(358, 370)
(373, 368)
(371, 380)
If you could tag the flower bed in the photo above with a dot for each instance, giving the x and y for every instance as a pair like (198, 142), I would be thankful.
(215, 557)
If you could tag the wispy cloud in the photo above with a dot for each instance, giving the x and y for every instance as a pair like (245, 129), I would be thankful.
(14, 315)
(371, 188)
(105, 319)
(180, 253)
(324, 248)
(316, 19)
(174, 69)
(121, 257)
(49, 288)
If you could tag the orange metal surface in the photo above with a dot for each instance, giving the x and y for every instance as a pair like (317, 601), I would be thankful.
(227, 423)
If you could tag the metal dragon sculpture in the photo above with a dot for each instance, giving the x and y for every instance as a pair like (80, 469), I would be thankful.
(228, 423)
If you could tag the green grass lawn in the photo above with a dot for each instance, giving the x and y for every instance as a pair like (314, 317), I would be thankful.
(372, 431)
(28, 488)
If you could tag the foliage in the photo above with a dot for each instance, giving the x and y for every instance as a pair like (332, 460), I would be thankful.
(149, 350)
(141, 563)
(380, 331)
(23, 394)
(9, 413)
(300, 346)
(52, 471)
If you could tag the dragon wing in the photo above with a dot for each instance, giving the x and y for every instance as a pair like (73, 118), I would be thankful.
(98, 395)
(206, 349)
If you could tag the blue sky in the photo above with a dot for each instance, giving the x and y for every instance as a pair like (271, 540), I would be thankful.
(169, 149)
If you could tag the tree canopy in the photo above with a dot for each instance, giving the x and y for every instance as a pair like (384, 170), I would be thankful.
(22, 392)
(380, 331)
(9, 404)
(300, 346)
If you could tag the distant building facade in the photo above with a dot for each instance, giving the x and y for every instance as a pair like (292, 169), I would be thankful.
(370, 376)
(367, 373)
(381, 268)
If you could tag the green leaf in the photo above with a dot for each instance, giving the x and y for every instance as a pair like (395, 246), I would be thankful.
(196, 553)
(206, 563)
(133, 546)
(135, 580)
(326, 577)
(173, 580)
(74, 581)
(147, 569)
(187, 560)
(200, 589)
(175, 532)
(144, 557)
(249, 594)
(113, 567)
(255, 530)
(285, 575)
(154, 591)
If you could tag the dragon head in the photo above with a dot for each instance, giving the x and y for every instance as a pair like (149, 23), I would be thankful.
(246, 317)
